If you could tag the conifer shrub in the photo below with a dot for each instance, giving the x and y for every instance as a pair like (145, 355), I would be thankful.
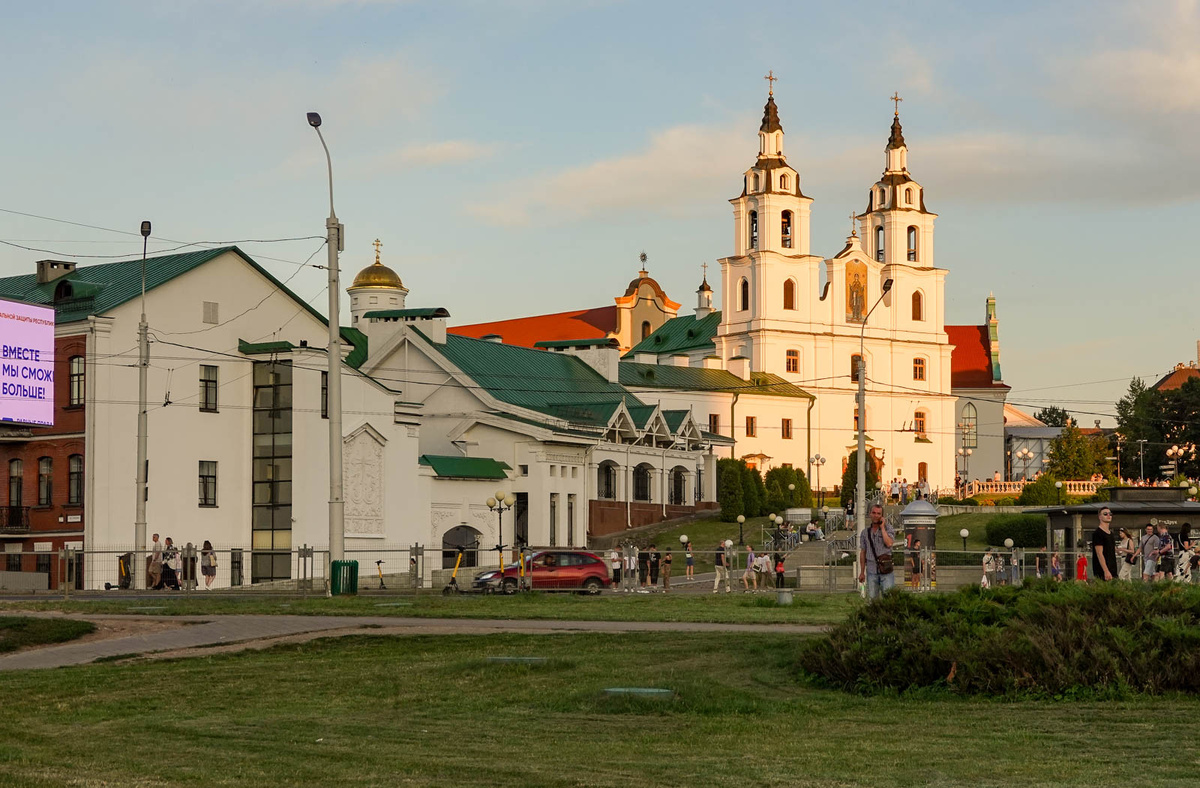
(1042, 640)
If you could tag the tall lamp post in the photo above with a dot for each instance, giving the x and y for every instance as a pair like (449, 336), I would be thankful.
(1141, 459)
(501, 504)
(1174, 454)
(1058, 487)
(741, 522)
(817, 461)
(1025, 455)
(139, 519)
(334, 242)
(860, 489)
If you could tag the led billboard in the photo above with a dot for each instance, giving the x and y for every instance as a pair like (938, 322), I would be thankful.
(26, 363)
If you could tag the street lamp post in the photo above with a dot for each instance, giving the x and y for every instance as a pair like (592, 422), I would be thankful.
(1173, 456)
(964, 533)
(139, 518)
(501, 504)
(1025, 455)
(860, 490)
(1141, 459)
(741, 536)
(334, 243)
(817, 461)
(1058, 486)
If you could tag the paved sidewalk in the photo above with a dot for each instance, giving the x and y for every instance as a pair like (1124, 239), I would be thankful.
(227, 629)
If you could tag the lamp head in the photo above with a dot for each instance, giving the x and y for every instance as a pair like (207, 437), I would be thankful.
(964, 533)
(499, 495)
(510, 499)
(1008, 543)
(491, 502)
(1058, 485)
(741, 518)
(791, 488)
(146, 229)
(314, 120)
(887, 285)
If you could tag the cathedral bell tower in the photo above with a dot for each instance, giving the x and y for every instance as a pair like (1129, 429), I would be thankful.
(896, 227)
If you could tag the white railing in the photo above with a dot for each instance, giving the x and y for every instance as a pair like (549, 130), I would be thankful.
(1014, 488)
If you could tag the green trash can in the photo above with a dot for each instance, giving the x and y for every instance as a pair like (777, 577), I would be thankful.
(344, 579)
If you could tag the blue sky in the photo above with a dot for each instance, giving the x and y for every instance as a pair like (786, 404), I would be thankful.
(514, 157)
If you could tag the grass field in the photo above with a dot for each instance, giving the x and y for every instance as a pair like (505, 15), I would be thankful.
(724, 608)
(433, 711)
(17, 632)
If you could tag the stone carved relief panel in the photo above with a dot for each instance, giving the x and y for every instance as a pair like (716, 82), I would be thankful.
(362, 457)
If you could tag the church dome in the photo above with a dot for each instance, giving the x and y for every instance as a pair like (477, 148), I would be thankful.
(377, 275)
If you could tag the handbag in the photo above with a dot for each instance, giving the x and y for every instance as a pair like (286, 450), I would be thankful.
(883, 563)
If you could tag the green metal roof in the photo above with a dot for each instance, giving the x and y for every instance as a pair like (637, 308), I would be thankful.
(641, 415)
(260, 348)
(575, 433)
(557, 384)
(674, 419)
(680, 335)
(431, 311)
(358, 339)
(568, 343)
(700, 379)
(97, 289)
(465, 467)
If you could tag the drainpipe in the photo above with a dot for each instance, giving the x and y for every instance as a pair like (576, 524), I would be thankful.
(627, 483)
(808, 437)
(732, 421)
(662, 483)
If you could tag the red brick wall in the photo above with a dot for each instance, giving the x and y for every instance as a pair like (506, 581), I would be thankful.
(608, 517)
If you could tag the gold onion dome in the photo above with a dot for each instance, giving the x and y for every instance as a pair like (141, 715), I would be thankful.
(377, 274)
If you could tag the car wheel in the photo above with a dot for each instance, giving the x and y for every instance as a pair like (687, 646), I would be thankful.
(510, 585)
(592, 585)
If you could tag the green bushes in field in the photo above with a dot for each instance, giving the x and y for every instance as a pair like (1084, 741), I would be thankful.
(1044, 639)
(1039, 493)
(1026, 530)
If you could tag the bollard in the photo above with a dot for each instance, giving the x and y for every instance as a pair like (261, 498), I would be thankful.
(783, 596)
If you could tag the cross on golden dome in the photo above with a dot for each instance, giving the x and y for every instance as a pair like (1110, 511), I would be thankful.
(378, 244)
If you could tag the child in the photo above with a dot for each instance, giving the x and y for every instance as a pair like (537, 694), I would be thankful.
(691, 562)
(779, 570)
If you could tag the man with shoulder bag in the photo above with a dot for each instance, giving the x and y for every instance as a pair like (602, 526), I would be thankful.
(875, 555)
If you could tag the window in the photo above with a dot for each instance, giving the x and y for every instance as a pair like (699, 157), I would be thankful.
(75, 479)
(879, 243)
(45, 481)
(922, 471)
(208, 483)
(864, 426)
(208, 388)
(12, 562)
(854, 367)
(793, 361)
(553, 470)
(918, 306)
(789, 294)
(571, 518)
(754, 229)
(646, 329)
(271, 496)
(210, 312)
(42, 563)
(786, 429)
(751, 427)
(743, 296)
(970, 427)
(324, 394)
(606, 482)
(908, 196)
(75, 374)
(714, 423)
(523, 470)
(553, 519)
(912, 244)
(677, 492)
(918, 369)
(783, 184)
(641, 483)
(785, 230)
(919, 423)
(755, 182)
(16, 470)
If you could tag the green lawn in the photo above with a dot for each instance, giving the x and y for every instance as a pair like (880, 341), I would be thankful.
(949, 527)
(17, 632)
(726, 608)
(433, 711)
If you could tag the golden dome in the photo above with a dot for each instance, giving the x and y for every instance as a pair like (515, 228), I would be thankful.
(377, 274)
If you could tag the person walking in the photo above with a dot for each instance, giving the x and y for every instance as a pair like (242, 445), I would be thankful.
(614, 559)
(1166, 554)
(1104, 548)
(643, 559)
(1148, 549)
(1126, 554)
(748, 575)
(1056, 567)
(154, 565)
(666, 571)
(875, 555)
(170, 566)
(989, 569)
(631, 569)
(690, 562)
(653, 561)
(208, 564)
(780, 570)
(721, 562)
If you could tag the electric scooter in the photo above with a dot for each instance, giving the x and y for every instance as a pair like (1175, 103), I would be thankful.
(379, 569)
(452, 587)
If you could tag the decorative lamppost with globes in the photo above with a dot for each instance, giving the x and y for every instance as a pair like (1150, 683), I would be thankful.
(741, 518)
(817, 461)
(501, 504)
(964, 533)
(1025, 455)
(1058, 487)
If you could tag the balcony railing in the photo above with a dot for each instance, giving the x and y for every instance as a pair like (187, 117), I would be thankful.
(14, 519)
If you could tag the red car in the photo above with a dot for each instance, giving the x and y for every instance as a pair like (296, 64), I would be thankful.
(551, 570)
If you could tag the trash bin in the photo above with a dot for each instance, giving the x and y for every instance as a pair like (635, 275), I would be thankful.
(343, 578)
(124, 570)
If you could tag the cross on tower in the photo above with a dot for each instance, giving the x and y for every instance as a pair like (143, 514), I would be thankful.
(378, 245)
(896, 100)
(771, 80)
(705, 267)
(853, 227)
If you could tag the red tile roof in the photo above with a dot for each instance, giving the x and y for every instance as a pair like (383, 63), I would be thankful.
(1176, 378)
(525, 331)
(971, 359)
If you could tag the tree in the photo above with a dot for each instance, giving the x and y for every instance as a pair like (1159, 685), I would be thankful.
(753, 502)
(1040, 493)
(760, 493)
(1073, 455)
(1139, 418)
(1053, 416)
(850, 478)
(729, 489)
(785, 476)
(1181, 424)
(776, 497)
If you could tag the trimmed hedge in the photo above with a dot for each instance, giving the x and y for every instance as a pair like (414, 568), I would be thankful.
(1026, 530)
(1042, 640)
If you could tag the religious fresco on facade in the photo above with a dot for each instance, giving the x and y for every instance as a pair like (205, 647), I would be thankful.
(856, 291)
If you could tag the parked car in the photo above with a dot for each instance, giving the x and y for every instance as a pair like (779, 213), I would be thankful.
(550, 570)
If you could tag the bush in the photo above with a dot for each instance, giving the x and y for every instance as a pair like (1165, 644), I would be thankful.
(968, 502)
(1026, 530)
(1042, 640)
(729, 489)
(1039, 493)
(950, 500)
(1006, 501)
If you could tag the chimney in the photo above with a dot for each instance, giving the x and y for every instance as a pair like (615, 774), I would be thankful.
(740, 366)
(710, 362)
(680, 360)
(49, 270)
(602, 355)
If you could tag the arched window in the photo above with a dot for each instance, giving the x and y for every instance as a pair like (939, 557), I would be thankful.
(754, 229)
(919, 423)
(641, 483)
(908, 196)
(606, 487)
(45, 481)
(912, 244)
(783, 182)
(678, 488)
(789, 294)
(854, 367)
(918, 306)
(879, 243)
(646, 330)
(16, 470)
(743, 296)
(463, 536)
(969, 427)
(922, 471)
(75, 374)
(785, 229)
(75, 479)
(918, 369)
(793, 361)
(755, 182)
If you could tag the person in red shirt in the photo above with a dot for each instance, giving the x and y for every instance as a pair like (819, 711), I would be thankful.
(1081, 567)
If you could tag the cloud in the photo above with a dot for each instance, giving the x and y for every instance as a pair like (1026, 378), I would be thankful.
(432, 154)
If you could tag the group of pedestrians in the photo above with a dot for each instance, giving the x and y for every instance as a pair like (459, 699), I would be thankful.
(1159, 554)
(639, 569)
(165, 566)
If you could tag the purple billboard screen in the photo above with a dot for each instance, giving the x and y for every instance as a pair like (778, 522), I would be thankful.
(26, 363)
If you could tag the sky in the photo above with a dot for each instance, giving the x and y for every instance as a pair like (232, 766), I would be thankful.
(515, 156)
